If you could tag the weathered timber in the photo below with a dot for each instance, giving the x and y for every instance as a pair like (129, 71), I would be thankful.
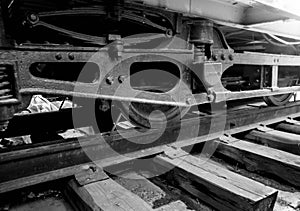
(276, 139)
(105, 195)
(258, 158)
(32, 164)
(238, 120)
(287, 127)
(217, 186)
(38, 178)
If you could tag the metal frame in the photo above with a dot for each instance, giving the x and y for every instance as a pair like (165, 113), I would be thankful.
(118, 53)
(32, 85)
(254, 15)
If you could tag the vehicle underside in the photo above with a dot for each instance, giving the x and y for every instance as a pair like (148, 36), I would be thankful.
(144, 56)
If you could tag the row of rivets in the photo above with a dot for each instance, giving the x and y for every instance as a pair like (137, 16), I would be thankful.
(110, 79)
(215, 57)
(58, 56)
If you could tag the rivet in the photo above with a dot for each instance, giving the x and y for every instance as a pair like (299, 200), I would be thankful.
(58, 56)
(210, 97)
(215, 57)
(223, 57)
(33, 18)
(71, 56)
(189, 101)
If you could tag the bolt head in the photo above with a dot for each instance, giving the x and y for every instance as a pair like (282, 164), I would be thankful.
(110, 80)
(121, 78)
(33, 17)
(71, 56)
(58, 56)
(223, 57)
(215, 57)
(210, 97)
(189, 101)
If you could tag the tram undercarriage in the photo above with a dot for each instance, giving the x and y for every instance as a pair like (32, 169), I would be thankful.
(144, 55)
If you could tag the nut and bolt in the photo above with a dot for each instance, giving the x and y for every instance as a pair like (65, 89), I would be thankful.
(110, 80)
(71, 56)
(169, 33)
(223, 57)
(121, 78)
(215, 57)
(89, 168)
(33, 18)
(189, 101)
(210, 97)
(93, 168)
(58, 56)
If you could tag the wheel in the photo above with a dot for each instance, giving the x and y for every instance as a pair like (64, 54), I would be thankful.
(278, 100)
(144, 114)
(150, 115)
(158, 78)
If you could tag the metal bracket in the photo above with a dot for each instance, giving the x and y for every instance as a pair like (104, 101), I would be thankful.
(264, 128)
(174, 152)
(90, 174)
(292, 121)
(274, 85)
(227, 139)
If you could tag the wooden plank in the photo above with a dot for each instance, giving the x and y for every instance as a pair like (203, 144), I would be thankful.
(276, 139)
(287, 127)
(263, 159)
(70, 171)
(239, 121)
(217, 186)
(29, 165)
(105, 195)
(174, 206)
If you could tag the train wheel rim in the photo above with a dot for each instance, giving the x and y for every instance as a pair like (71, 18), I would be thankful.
(278, 100)
(139, 114)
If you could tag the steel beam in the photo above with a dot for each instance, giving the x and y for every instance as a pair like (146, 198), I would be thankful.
(288, 28)
(285, 8)
(226, 10)
(239, 13)
(235, 11)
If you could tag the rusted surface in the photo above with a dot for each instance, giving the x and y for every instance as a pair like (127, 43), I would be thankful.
(114, 61)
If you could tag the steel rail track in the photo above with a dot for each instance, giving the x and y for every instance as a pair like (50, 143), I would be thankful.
(25, 166)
